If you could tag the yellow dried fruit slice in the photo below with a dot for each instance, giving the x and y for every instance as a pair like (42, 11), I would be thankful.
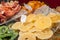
(43, 22)
(39, 15)
(34, 29)
(27, 36)
(54, 17)
(31, 18)
(46, 34)
(16, 26)
(58, 15)
(26, 27)
(22, 27)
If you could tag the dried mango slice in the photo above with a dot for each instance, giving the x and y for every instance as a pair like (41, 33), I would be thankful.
(46, 34)
(35, 4)
(27, 36)
(54, 17)
(43, 22)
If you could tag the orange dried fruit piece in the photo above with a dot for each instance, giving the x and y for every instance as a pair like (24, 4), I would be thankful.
(35, 4)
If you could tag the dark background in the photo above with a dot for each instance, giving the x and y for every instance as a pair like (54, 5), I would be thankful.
(51, 3)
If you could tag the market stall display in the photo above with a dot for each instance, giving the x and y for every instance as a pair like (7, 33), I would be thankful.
(31, 21)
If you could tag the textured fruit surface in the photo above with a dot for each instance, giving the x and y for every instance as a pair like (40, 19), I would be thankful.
(26, 27)
(46, 34)
(54, 17)
(31, 18)
(43, 22)
(16, 26)
(34, 29)
(27, 36)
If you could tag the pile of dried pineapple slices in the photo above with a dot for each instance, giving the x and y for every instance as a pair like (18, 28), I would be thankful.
(36, 25)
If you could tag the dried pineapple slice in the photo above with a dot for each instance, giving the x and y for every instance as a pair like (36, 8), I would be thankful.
(39, 15)
(22, 27)
(54, 17)
(43, 22)
(26, 27)
(46, 34)
(58, 15)
(27, 36)
(16, 26)
(31, 18)
(34, 29)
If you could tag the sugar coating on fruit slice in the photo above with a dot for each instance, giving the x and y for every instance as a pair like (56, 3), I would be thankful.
(46, 34)
(23, 18)
(43, 22)
(27, 36)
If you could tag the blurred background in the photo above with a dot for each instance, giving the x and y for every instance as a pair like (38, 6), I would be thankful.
(51, 3)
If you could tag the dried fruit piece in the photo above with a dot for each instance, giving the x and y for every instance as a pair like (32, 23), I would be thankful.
(55, 17)
(34, 29)
(35, 4)
(17, 25)
(23, 18)
(43, 22)
(27, 36)
(31, 18)
(26, 27)
(39, 15)
(46, 34)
